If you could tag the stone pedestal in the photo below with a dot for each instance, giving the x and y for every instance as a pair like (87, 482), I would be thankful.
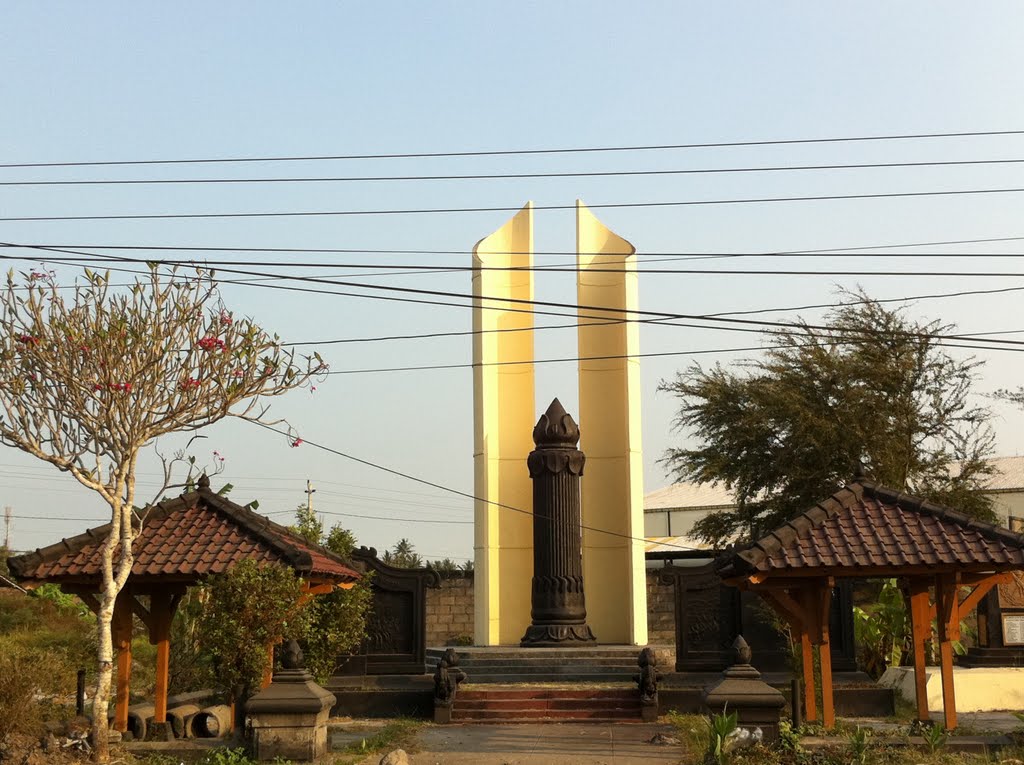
(558, 611)
(289, 716)
(742, 690)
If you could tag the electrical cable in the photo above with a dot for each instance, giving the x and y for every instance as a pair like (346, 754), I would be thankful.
(459, 210)
(449, 489)
(483, 300)
(518, 152)
(517, 176)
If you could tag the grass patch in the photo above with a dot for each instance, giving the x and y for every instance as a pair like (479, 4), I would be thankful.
(397, 734)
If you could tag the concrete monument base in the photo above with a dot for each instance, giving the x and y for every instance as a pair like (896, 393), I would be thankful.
(980, 689)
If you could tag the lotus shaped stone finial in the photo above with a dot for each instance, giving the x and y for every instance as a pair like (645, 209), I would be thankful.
(741, 651)
(556, 427)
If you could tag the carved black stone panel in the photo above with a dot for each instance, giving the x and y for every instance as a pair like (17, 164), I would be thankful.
(396, 641)
(709, 615)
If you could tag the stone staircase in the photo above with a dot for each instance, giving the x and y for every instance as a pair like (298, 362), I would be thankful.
(532, 705)
(607, 664)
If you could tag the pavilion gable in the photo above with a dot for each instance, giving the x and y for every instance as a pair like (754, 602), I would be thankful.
(183, 540)
(869, 529)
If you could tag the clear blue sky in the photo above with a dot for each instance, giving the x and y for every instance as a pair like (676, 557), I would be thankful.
(91, 81)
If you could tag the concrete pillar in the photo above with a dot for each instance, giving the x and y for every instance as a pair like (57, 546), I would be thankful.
(613, 564)
(503, 400)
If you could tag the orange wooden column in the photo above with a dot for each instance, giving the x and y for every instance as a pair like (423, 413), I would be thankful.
(160, 635)
(947, 616)
(823, 602)
(921, 633)
(121, 628)
(807, 665)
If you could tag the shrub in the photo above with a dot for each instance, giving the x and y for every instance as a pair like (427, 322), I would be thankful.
(23, 675)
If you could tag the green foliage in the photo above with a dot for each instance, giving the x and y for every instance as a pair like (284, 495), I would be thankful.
(869, 386)
(935, 737)
(227, 757)
(4, 555)
(720, 726)
(337, 621)
(191, 666)
(789, 738)
(340, 541)
(307, 525)
(403, 555)
(860, 745)
(247, 609)
(395, 734)
(882, 630)
(337, 625)
(693, 731)
(31, 626)
(445, 566)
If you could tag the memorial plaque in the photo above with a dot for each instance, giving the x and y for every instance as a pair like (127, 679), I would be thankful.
(1013, 629)
(1011, 594)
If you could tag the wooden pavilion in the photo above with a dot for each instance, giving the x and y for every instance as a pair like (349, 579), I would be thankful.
(183, 540)
(945, 560)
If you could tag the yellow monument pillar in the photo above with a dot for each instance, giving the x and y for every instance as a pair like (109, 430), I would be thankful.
(613, 564)
(504, 412)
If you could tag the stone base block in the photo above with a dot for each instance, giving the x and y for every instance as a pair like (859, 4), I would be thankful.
(300, 737)
(979, 689)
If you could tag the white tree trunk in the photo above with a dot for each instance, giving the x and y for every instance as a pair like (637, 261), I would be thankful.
(101, 746)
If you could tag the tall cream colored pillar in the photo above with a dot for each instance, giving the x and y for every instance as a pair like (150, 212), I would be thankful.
(613, 564)
(504, 413)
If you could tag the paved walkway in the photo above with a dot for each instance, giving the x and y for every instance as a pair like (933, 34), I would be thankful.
(547, 744)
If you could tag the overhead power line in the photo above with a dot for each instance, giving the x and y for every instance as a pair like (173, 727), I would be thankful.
(522, 152)
(514, 176)
(450, 490)
(229, 266)
(851, 250)
(458, 210)
(485, 303)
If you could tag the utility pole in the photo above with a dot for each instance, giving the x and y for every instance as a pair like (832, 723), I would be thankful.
(7, 527)
(310, 491)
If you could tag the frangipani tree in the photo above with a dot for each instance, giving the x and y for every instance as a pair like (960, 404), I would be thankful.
(91, 377)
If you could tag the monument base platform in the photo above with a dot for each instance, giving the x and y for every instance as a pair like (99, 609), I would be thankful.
(979, 689)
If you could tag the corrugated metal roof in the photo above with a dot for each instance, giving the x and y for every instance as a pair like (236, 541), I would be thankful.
(689, 495)
(674, 544)
(1007, 476)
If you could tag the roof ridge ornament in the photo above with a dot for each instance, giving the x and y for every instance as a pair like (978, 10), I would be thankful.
(203, 483)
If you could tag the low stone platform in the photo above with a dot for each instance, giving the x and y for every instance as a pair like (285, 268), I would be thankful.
(510, 664)
(978, 689)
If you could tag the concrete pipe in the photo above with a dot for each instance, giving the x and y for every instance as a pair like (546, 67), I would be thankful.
(139, 716)
(212, 722)
(180, 716)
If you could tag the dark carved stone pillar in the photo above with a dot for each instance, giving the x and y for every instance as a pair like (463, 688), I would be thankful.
(558, 611)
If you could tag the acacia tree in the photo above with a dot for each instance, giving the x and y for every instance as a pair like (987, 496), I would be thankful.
(89, 379)
(785, 430)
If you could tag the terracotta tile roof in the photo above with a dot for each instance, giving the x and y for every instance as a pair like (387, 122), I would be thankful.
(865, 527)
(184, 539)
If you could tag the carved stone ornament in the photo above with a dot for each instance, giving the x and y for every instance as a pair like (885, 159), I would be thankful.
(647, 680)
(556, 427)
(558, 611)
(447, 678)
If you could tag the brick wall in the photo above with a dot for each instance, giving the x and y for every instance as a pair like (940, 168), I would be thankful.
(450, 611)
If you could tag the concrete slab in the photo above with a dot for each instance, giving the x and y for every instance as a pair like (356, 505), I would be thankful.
(546, 744)
(977, 689)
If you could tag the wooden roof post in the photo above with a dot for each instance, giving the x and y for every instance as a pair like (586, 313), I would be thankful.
(921, 631)
(824, 600)
(807, 656)
(947, 613)
(122, 628)
(161, 614)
